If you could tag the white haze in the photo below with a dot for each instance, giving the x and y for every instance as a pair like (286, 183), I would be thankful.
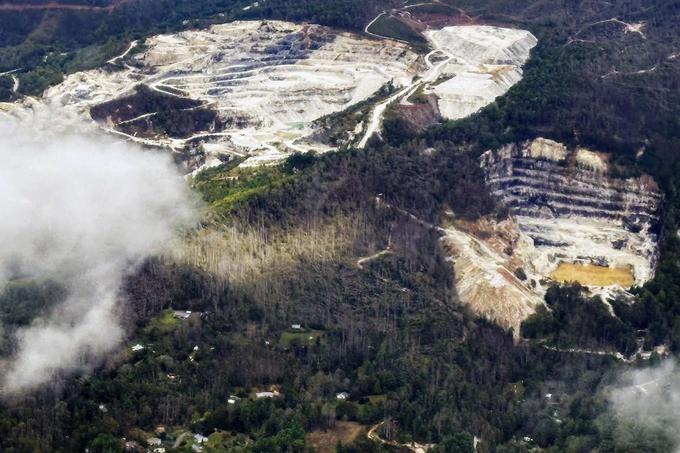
(83, 210)
(650, 398)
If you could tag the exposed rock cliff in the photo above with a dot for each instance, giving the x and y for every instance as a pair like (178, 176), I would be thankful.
(574, 210)
(570, 220)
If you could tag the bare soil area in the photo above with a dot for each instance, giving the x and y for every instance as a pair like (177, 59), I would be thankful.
(326, 441)
(592, 275)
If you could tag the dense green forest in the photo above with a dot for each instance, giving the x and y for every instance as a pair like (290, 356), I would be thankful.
(390, 332)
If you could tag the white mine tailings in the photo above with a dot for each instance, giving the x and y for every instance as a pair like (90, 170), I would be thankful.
(468, 68)
(571, 220)
(274, 77)
(269, 81)
(483, 62)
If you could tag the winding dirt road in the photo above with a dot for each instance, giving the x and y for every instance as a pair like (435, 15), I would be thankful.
(433, 72)
(413, 446)
(378, 112)
(366, 259)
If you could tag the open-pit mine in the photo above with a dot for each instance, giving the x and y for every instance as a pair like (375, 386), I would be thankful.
(261, 90)
(572, 218)
(258, 89)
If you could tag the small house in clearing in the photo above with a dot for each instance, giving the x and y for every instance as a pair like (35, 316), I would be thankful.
(200, 438)
(133, 447)
(260, 395)
(182, 315)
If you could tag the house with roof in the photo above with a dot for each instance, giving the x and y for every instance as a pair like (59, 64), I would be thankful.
(342, 396)
(200, 438)
(182, 315)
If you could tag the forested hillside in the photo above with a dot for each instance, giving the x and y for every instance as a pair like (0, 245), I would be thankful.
(325, 275)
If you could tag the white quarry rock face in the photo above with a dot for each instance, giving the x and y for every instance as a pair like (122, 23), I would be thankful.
(542, 148)
(565, 208)
(277, 78)
(578, 213)
(485, 62)
(590, 160)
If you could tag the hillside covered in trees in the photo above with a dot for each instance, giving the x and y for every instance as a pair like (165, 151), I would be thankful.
(325, 275)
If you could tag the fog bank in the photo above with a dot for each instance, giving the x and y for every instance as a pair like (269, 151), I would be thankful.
(83, 210)
(650, 398)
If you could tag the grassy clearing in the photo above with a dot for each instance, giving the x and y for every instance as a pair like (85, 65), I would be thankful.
(592, 275)
(163, 323)
(226, 186)
(302, 337)
(217, 440)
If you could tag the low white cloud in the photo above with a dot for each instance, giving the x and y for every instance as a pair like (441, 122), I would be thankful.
(650, 398)
(81, 209)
